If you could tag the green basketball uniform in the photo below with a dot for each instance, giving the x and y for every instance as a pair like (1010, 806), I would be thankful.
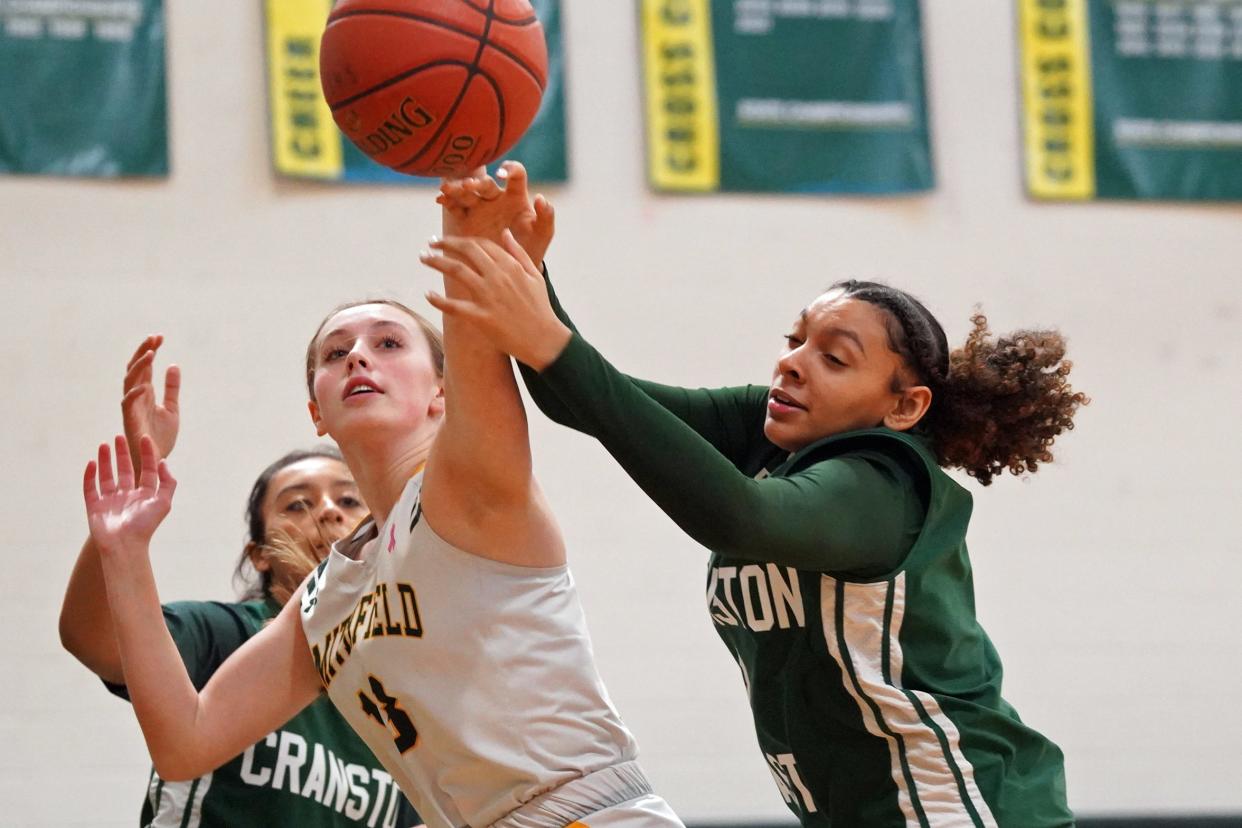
(840, 582)
(313, 771)
(880, 695)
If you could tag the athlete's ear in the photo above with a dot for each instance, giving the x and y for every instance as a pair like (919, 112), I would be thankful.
(257, 559)
(313, 408)
(436, 407)
(909, 408)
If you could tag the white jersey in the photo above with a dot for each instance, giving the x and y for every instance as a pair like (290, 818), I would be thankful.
(473, 681)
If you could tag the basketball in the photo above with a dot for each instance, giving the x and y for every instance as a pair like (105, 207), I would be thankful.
(433, 87)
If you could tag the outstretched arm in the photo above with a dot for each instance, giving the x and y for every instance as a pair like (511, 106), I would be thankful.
(479, 491)
(848, 514)
(263, 684)
(85, 617)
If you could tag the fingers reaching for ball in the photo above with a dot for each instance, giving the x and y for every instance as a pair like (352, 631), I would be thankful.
(496, 287)
(461, 194)
(480, 207)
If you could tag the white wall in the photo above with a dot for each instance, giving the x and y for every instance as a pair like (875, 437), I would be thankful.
(1107, 581)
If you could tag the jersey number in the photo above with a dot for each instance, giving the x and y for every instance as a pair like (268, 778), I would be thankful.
(389, 714)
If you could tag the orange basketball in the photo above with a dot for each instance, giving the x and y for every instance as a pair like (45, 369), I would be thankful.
(433, 87)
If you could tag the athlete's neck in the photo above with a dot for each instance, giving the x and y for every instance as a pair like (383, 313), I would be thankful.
(381, 468)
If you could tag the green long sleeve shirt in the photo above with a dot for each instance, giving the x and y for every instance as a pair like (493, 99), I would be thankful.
(696, 453)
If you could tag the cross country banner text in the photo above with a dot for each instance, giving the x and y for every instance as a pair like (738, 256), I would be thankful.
(822, 96)
(1132, 99)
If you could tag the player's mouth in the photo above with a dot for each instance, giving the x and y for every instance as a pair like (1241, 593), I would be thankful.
(781, 403)
(360, 387)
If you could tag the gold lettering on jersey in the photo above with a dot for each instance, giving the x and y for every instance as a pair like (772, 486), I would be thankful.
(409, 611)
(374, 616)
(390, 626)
(758, 597)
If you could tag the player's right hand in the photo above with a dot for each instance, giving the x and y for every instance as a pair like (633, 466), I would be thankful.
(124, 511)
(478, 206)
(141, 413)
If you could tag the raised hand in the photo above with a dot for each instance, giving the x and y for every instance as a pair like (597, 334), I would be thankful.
(479, 206)
(498, 289)
(124, 512)
(141, 413)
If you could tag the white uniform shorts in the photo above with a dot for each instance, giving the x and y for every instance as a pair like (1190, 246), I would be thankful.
(616, 797)
(648, 811)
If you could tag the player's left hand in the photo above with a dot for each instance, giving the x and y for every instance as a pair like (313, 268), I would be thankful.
(141, 411)
(500, 292)
(124, 511)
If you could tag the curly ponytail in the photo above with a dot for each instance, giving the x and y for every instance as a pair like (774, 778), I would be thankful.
(997, 402)
(1006, 400)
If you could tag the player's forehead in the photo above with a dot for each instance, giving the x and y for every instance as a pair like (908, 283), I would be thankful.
(834, 311)
(367, 318)
(310, 474)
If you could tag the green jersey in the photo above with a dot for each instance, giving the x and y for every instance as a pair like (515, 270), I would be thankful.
(313, 771)
(839, 580)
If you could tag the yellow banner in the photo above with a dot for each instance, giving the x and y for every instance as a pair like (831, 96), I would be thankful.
(1056, 93)
(683, 134)
(305, 140)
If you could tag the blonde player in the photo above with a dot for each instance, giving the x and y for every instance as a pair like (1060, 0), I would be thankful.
(446, 629)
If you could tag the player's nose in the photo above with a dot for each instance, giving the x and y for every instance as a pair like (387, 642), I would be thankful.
(789, 364)
(330, 512)
(357, 357)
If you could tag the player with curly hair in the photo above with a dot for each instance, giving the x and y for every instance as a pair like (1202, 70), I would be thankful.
(839, 577)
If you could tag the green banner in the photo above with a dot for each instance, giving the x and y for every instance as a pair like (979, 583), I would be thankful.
(1132, 99)
(779, 96)
(305, 140)
(83, 89)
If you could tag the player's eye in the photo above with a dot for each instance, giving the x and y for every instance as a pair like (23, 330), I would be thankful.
(792, 341)
(350, 502)
(390, 342)
(834, 360)
(333, 353)
(299, 505)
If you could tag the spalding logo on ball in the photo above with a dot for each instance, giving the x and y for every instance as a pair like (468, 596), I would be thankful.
(433, 87)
